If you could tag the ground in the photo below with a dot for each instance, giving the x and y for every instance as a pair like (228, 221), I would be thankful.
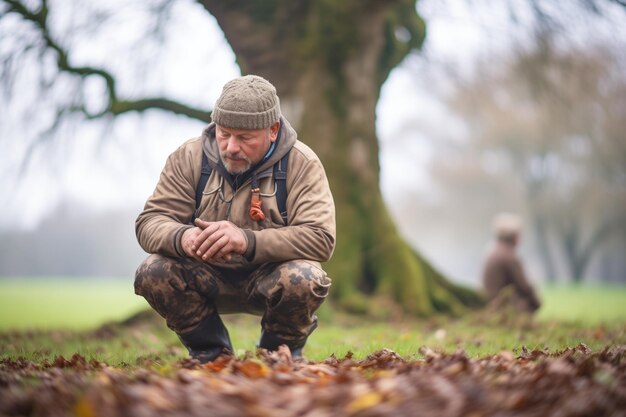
(584, 379)
(477, 365)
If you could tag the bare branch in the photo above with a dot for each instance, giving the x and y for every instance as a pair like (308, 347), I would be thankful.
(125, 106)
(115, 105)
(619, 2)
(162, 12)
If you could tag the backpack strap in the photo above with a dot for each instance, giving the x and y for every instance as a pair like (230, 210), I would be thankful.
(280, 178)
(204, 177)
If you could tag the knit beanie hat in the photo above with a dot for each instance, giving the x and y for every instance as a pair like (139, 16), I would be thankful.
(248, 102)
(507, 226)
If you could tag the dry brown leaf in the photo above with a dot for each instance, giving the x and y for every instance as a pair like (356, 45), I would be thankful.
(252, 369)
(575, 381)
(219, 364)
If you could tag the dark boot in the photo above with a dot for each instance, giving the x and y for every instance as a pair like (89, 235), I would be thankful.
(209, 340)
(271, 341)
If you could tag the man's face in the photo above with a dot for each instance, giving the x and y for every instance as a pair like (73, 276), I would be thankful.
(241, 148)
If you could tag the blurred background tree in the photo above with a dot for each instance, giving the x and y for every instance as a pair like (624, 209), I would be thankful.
(537, 128)
(547, 125)
(329, 61)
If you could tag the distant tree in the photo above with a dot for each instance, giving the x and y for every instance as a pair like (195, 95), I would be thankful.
(551, 123)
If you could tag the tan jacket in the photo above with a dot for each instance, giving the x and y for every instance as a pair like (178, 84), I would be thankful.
(309, 234)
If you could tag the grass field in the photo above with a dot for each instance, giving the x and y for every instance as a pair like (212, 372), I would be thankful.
(41, 319)
(65, 303)
(584, 304)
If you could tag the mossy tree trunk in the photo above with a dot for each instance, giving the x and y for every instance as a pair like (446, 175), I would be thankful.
(328, 60)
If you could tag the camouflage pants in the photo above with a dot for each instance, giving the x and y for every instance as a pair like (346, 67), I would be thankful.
(186, 291)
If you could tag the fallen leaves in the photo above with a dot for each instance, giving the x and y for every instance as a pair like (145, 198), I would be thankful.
(363, 401)
(575, 381)
(251, 369)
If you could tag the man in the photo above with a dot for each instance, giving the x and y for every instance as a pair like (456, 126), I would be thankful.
(228, 247)
(504, 280)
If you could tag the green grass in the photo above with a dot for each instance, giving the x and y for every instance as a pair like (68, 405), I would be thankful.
(54, 303)
(43, 319)
(585, 304)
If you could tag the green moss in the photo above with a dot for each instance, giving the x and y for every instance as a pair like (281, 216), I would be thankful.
(355, 303)
(329, 40)
(345, 267)
(467, 296)
(399, 273)
(402, 17)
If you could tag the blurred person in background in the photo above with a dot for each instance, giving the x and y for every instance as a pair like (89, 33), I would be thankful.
(239, 222)
(505, 283)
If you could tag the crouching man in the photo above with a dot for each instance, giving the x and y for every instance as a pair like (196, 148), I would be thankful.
(505, 283)
(239, 222)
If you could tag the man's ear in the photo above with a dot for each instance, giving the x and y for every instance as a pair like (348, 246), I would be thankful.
(274, 131)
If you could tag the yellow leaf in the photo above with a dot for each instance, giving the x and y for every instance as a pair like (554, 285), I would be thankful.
(363, 402)
(84, 408)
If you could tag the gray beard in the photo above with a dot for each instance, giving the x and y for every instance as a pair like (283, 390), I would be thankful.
(235, 171)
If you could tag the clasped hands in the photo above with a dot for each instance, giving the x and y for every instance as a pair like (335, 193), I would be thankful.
(214, 242)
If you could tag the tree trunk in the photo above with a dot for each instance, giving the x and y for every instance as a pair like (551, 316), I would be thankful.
(543, 246)
(579, 252)
(328, 61)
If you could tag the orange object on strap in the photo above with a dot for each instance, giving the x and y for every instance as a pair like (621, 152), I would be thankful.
(256, 213)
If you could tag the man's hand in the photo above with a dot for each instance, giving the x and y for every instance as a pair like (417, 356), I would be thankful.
(187, 241)
(215, 241)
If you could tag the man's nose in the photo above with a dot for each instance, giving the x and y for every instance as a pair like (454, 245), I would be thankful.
(232, 146)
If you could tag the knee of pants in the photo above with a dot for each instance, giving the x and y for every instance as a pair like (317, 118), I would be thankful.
(303, 279)
(157, 273)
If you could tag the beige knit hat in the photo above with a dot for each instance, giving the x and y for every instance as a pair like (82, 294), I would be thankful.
(507, 226)
(248, 102)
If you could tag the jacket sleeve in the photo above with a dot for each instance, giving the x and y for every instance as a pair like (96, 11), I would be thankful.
(311, 231)
(168, 211)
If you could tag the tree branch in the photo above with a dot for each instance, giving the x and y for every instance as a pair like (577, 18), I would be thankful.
(609, 227)
(125, 106)
(619, 2)
(404, 18)
(115, 105)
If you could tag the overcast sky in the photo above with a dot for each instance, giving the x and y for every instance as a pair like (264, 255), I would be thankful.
(121, 170)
